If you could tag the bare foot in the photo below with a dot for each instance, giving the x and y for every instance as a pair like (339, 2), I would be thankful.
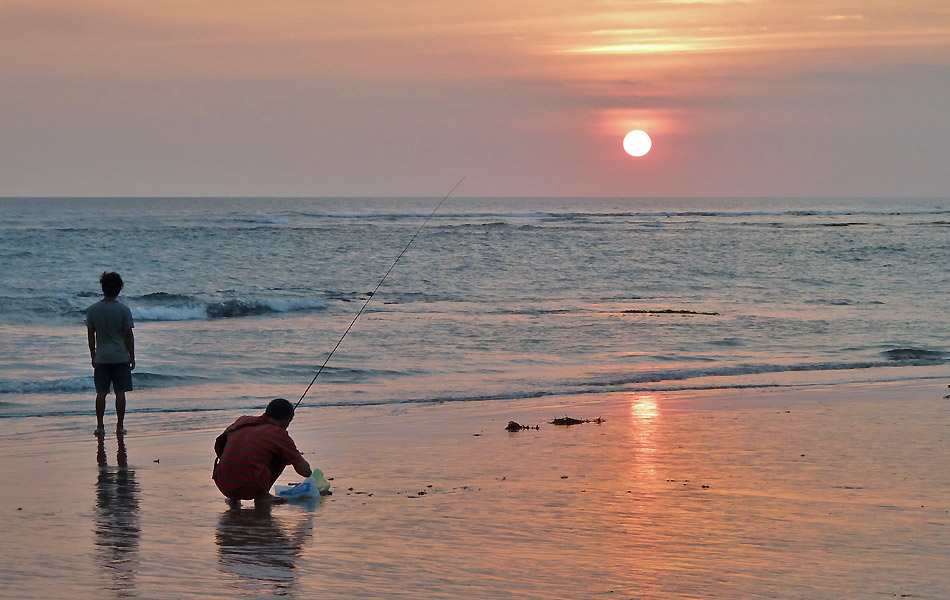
(270, 499)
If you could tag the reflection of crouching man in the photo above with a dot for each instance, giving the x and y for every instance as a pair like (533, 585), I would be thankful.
(255, 453)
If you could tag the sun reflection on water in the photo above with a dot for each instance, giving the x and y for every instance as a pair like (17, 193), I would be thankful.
(646, 418)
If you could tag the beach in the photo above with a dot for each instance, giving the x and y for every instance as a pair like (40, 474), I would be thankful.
(768, 374)
(578, 300)
(824, 492)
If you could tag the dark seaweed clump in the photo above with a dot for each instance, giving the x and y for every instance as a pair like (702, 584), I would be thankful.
(515, 426)
(568, 421)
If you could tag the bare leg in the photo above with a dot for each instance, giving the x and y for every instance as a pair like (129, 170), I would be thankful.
(100, 412)
(120, 412)
(276, 467)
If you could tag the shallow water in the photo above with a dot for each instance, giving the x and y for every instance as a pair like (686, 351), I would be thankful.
(836, 494)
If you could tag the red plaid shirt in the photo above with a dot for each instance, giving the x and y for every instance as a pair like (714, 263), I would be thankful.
(243, 470)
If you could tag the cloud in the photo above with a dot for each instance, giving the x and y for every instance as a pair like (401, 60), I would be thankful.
(370, 97)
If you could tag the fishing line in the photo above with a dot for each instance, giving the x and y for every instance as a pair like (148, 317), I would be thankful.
(376, 289)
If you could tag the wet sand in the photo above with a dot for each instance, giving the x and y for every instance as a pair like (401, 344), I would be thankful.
(820, 493)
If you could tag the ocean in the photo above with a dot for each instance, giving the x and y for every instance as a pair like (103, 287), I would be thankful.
(240, 300)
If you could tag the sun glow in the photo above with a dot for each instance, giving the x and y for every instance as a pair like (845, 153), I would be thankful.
(646, 419)
(637, 143)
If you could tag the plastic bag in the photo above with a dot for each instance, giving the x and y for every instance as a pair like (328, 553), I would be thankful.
(311, 487)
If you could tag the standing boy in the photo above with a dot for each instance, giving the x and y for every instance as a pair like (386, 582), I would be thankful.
(112, 348)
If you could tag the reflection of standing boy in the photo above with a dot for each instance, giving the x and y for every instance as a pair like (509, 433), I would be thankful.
(112, 348)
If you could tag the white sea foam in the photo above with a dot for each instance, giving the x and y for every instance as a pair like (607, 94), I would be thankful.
(228, 309)
(267, 220)
(169, 313)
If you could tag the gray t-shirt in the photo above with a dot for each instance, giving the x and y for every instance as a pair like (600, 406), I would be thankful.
(111, 319)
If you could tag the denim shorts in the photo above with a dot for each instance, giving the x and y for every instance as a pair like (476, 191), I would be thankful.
(117, 376)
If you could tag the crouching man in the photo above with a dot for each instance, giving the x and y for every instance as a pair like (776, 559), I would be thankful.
(254, 454)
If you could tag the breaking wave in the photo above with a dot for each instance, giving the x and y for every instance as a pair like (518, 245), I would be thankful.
(69, 385)
(916, 355)
(190, 311)
(50, 386)
(266, 220)
(912, 359)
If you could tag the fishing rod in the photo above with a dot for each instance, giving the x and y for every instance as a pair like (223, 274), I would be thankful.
(376, 289)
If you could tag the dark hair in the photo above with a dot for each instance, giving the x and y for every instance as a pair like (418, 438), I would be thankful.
(280, 409)
(111, 283)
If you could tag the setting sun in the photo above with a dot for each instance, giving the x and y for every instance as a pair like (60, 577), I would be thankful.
(637, 143)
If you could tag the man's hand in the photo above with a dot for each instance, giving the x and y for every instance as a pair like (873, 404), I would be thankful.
(132, 364)
(303, 468)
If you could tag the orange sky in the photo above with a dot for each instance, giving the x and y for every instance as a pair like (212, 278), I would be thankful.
(371, 97)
